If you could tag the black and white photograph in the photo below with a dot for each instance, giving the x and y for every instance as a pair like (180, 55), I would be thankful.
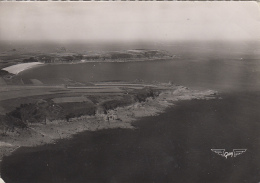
(130, 92)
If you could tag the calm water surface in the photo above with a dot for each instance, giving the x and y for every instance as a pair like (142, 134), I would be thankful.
(215, 74)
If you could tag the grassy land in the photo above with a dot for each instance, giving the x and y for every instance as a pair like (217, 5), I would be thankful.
(29, 105)
(38, 119)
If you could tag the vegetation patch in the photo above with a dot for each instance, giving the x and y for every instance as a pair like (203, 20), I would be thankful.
(70, 99)
(142, 94)
(112, 104)
(72, 110)
(48, 111)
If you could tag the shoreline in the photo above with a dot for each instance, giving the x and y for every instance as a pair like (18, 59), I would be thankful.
(121, 117)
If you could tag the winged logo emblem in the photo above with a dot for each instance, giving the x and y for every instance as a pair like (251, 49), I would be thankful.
(225, 154)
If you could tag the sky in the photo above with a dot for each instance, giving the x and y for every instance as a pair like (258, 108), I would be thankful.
(129, 21)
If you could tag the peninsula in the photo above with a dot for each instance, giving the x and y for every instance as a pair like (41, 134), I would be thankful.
(35, 115)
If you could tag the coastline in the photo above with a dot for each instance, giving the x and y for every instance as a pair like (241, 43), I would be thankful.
(121, 117)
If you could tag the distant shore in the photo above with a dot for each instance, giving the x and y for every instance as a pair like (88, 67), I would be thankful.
(107, 61)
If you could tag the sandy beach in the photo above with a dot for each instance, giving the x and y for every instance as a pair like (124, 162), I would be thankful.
(15, 69)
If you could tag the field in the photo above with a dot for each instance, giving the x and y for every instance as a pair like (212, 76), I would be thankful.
(70, 99)
(14, 96)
